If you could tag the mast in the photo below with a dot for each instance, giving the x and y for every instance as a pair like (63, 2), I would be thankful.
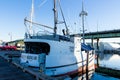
(64, 21)
(83, 14)
(55, 18)
(31, 18)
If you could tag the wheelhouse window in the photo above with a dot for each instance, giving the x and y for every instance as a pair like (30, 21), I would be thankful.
(37, 48)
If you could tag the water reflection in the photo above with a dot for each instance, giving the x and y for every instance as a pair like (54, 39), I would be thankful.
(98, 76)
(110, 61)
(109, 54)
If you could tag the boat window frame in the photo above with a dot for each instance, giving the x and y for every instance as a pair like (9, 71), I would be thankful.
(37, 47)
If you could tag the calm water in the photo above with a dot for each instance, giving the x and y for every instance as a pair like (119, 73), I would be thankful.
(97, 76)
(110, 61)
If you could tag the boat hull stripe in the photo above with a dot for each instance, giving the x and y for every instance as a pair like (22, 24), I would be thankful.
(78, 71)
(69, 64)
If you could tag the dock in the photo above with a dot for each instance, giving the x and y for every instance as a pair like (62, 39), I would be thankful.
(108, 71)
(11, 69)
(9, 72)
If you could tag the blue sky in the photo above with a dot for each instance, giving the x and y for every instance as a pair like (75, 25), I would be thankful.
(102, 15)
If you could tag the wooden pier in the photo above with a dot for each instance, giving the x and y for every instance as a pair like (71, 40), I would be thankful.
(9, 72)
(11, 69)
(108, 71)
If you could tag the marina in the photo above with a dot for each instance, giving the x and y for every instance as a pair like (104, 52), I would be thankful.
(54, 47)
(13, 67)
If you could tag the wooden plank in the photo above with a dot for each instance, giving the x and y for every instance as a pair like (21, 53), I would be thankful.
(108, 71)
(24, 72)
(10, 72)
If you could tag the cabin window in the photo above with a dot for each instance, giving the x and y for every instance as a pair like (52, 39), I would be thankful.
(37, 48)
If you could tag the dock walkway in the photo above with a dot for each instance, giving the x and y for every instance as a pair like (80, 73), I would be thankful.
(11, 69)
(9, 72)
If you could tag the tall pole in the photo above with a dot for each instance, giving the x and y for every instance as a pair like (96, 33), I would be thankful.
(31, 17)
(10, 34)
(55, 17)
(83, 14)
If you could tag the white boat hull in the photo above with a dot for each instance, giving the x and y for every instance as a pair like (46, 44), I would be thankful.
(64, 57)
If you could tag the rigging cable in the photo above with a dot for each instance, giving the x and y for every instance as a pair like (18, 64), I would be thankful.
(67, 30)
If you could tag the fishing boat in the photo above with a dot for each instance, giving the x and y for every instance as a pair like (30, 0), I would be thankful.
(55, 54)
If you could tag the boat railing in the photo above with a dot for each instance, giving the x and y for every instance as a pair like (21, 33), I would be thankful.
(37, 34)
(41, 33)
(47, 35)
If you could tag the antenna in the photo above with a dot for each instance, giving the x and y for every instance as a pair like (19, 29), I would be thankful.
(83, 14)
